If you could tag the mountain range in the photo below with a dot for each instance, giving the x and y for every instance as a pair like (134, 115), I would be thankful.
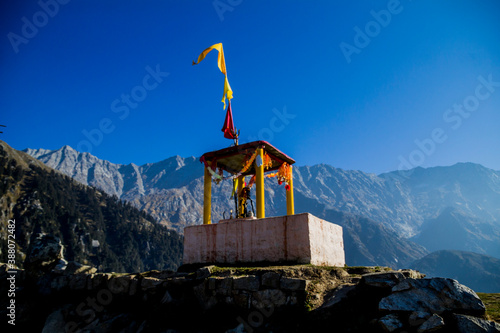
(477, 271)
(432, 206)
(393, 219)
(94, 227)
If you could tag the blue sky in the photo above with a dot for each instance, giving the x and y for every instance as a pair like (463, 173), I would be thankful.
(367, 85)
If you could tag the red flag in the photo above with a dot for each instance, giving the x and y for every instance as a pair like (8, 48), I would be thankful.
(228, 127)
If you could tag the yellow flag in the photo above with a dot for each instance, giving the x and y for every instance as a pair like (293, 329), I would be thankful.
(228, 93)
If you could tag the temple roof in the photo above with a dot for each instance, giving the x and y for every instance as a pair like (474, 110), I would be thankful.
(232, 159)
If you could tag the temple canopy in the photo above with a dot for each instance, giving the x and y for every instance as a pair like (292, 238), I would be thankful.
(253, 158)
(233, 159)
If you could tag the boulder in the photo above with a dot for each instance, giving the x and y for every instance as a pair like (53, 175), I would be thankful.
(43, 255)
(293, 284)
(417, 318)
(74, 267)
(383, 280)
(432, 324)
(271, 280)
(469, 324)
(339, 295)
(149, 284)
(78, 281)
(268, 298)
(204, 272)
(390, 323)
(435, 295)
(224, 286)
(250, 282)
(55, 322)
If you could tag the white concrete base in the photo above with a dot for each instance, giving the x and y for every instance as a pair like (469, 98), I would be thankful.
(301, 238)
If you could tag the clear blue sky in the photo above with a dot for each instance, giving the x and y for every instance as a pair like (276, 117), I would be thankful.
(304, 78)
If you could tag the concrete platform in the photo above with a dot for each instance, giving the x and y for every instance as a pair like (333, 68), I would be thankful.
(301, 239)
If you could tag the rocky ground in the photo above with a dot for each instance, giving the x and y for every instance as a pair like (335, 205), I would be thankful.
(52, 295)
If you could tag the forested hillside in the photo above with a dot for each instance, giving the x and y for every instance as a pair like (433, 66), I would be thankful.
(94, 227)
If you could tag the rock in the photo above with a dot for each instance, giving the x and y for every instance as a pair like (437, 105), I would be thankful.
(412, 274)
(44, 253)
(435, 295)
(241, 299)
(148, 284)
(417, 318)
(59, 282)
(61, 266)
(383, 280)
(55, 323)
(134, 284)
(204, 272)
(271, 280)
(224, 286)
(99, 280)
(250, 282)
(78, 281)
(206, 299)
(211, 283)
(121, 284)
(167, 298)
(339, 295)
(238, 329)
(74, 267)
(268, 298)
(293, 284)
(390, 323)
(468, 324)
(432, 324)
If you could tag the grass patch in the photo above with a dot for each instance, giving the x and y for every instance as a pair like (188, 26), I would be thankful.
(492, 303)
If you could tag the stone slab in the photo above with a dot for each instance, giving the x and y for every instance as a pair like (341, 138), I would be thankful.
(301, 238)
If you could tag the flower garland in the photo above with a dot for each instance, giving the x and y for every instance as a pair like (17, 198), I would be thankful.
(219, 176)
(268, 162)
(284, 173)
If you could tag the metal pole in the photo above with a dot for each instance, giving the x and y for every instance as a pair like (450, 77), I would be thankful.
(207, 197)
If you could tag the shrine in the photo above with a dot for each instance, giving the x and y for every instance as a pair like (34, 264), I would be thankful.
(248, 237)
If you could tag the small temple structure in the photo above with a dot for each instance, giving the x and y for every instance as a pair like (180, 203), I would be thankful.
(248, 238)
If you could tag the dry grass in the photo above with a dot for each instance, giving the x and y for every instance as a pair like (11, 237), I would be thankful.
(492, 303)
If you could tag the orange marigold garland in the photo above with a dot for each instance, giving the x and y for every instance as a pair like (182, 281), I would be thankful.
(284, 173)
(268, 162)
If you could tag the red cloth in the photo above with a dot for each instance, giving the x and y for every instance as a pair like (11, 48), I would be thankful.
(228, 127)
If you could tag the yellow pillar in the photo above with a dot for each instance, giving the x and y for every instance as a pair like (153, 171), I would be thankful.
(259, 184)
(207, 197)
(241, 180)
(290, 210)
